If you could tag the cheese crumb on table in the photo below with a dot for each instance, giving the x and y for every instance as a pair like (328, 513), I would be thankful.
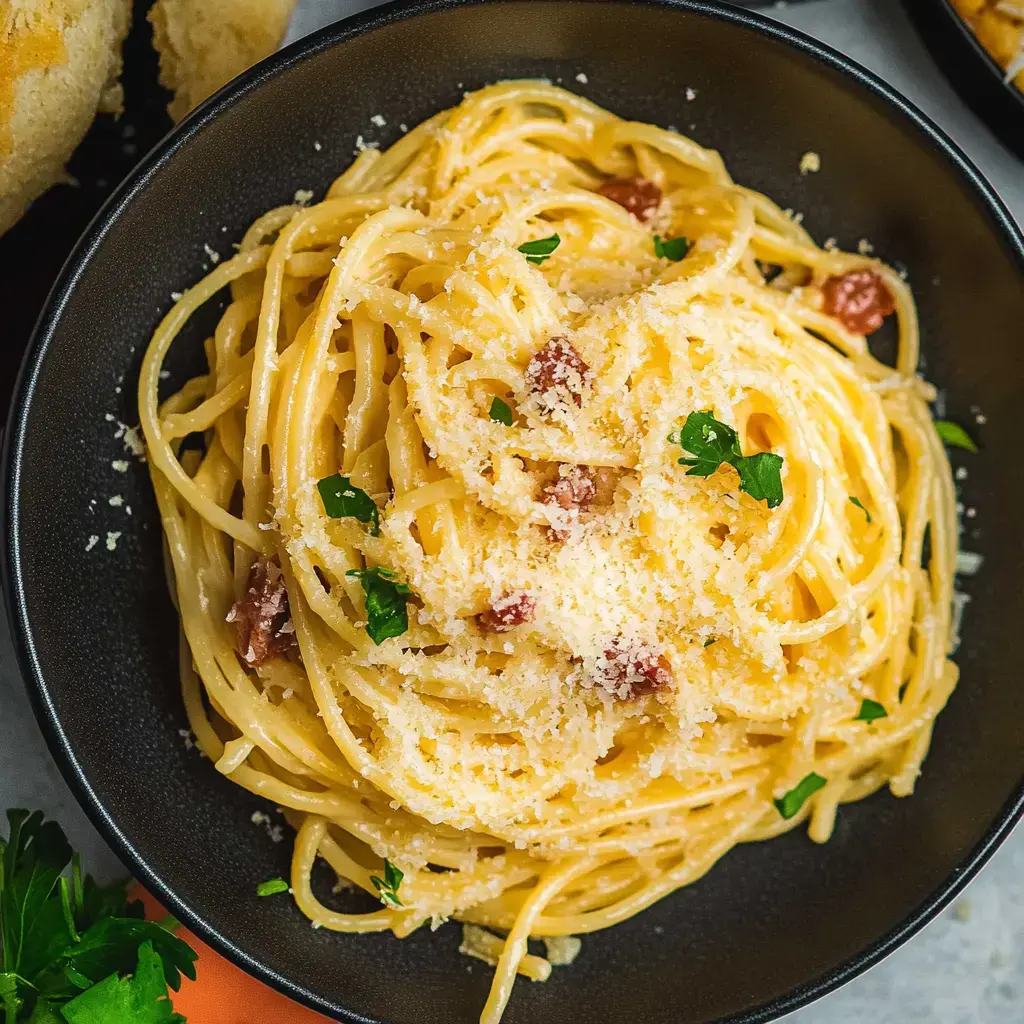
(810, 163)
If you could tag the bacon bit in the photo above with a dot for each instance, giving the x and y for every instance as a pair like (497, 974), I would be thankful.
(580, 488)
(507, 612)
(573, 489)
(262, 617)
(630, 670)
(859, 300)
(557, 371)
(637, 195)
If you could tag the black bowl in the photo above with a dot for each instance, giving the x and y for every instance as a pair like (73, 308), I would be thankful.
(979, 80)
(774, 924)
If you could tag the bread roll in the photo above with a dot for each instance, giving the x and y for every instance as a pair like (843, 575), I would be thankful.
(59, 63)
(203, 44)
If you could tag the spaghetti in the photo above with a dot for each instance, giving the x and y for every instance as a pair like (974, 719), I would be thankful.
(447, 594)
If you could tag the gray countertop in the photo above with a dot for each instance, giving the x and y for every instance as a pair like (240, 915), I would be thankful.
(966, 967)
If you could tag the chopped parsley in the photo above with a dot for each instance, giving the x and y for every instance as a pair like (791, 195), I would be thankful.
(789, 805)
(870, 710)
(75, 952)
(711, 640)
(671, 248)
(955, 435)
(271, 887)
(387, 887)
(856, 501)
(540, 249)
(386, 614)
(343, 500)
(713, 443)
(500, 411)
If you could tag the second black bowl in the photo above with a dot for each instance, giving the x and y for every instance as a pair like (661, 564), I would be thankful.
(773, 924)
(978, 79)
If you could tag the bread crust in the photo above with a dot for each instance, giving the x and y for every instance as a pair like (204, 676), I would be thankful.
(203, 44)
(60, 61)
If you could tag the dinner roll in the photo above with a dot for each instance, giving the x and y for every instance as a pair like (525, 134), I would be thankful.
(59, 63)
(203, 44)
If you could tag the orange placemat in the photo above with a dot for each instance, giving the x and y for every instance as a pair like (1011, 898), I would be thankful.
(223, 994)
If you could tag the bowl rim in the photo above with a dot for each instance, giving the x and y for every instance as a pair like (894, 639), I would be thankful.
(13, 579)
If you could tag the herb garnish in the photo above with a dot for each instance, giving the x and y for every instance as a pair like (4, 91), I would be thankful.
(711, 640)
(343, 500)
(71, 950)
(671, 248)
(386, 614)
(856, 501)
(271, 887)
(540, 249)
(870, 710)
(500, 411)
(955, 435)
(387, 887)
(712, 443)
(790, 804)
(139, 999)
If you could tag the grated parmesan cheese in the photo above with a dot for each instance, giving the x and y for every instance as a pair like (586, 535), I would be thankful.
(562, 950)
(810, 163)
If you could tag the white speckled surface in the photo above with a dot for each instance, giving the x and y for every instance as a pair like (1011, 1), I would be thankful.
(967, 967)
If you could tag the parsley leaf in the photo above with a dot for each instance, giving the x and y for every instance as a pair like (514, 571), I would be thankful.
(671, 248)
(870, 710)
(271, 887)
(139, 999)
(856, 501)
(62, 938)
(387, 887)
(33, 928)
(540, 249)
(711, 640)
(386, 614)
(500, 411)
(343, 500)
(790, 803)
(955, 435)
(110, 946)
(761, 477)
(712, 442)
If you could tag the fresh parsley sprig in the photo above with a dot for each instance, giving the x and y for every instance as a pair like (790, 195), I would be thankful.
(712, 443)
(539, 249)
(671, 248)
(342, 499)
(139, 999)
(387, 887)
(386, 614)
(72, 951)
(789, 804)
